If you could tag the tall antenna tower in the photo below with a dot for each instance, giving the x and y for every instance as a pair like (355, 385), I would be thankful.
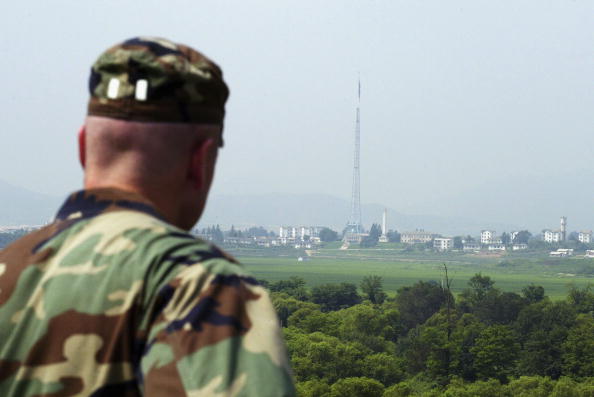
(354, 224)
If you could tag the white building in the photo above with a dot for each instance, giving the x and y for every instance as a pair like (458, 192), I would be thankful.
(293, 234)
(519, 247)
(552, 236)
(238, 240)
(487, 236)
(496, 247)
(443, 244)
(589, 254)
(354, 238)
(562, 252)
(585, 236)
(417, 237)
(471, 246)
(287, 232)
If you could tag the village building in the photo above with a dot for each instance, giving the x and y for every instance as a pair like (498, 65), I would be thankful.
(496, 247)
(289, 235)
(562, 252)
(443, 243)
(488, 237)
(552, 236)
(519, 247)
(585, 236)
(471, 247)
(419, 236)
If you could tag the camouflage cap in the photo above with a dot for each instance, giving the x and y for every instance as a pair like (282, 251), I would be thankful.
(154, 79)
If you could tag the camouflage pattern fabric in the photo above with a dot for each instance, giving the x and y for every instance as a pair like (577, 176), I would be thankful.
(110, 300)
(157, 80)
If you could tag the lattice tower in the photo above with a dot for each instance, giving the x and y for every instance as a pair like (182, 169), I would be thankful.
(354, 225)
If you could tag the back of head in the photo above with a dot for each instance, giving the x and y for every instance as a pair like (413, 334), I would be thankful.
(140, 153)
(153, 103)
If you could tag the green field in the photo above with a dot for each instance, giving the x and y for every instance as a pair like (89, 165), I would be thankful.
(399, 268)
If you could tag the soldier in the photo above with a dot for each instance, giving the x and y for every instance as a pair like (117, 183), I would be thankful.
(115, 297)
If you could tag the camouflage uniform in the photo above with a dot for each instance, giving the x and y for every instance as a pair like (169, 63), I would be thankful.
(110, 300)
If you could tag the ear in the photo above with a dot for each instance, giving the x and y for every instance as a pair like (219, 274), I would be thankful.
(202, 164)
(82, 146)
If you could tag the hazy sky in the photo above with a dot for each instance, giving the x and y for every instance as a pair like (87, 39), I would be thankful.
(456, 95)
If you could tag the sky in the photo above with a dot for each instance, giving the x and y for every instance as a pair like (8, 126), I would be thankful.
(458, 97)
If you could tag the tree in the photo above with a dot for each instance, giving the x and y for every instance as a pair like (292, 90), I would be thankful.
(215, 233)
(257, 231)
(313, 388)
(490, 388)
(495, 353)
(294, 286)
(566, 387)
(360, 387)
(393, 236)
(479, 287)
(401, 389)
(522, 237)
(505, 238)
(372, 287)
(372, 239)
(458, 243)
(427, 349)
(335, 296)
(578, 349)
(321, 356)
(499, 308)
(538, 244)
(368, 242)
(375, 232)
(542, 328)
(531, 386)
(286, 305)
(581, 298)
(419, 302)
(416, 386)
(533, 293)
(488, 303)
(232, 232)
(328, 235)
(310, 319)
(384, 367)
(467, 330)
(369, 325)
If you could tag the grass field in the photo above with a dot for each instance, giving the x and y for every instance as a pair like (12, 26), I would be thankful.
(400, 268)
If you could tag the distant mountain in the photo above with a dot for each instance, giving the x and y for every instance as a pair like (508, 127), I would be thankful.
(19, 206)
(533, 202)
(273, 210)
(503, 205)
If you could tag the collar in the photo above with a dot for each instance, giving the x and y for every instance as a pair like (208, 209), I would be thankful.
(89, 203)
(86, 204)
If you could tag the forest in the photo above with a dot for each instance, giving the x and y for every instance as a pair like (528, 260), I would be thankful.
(355, 340)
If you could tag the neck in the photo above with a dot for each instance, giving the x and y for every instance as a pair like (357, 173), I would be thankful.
(161, 198)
